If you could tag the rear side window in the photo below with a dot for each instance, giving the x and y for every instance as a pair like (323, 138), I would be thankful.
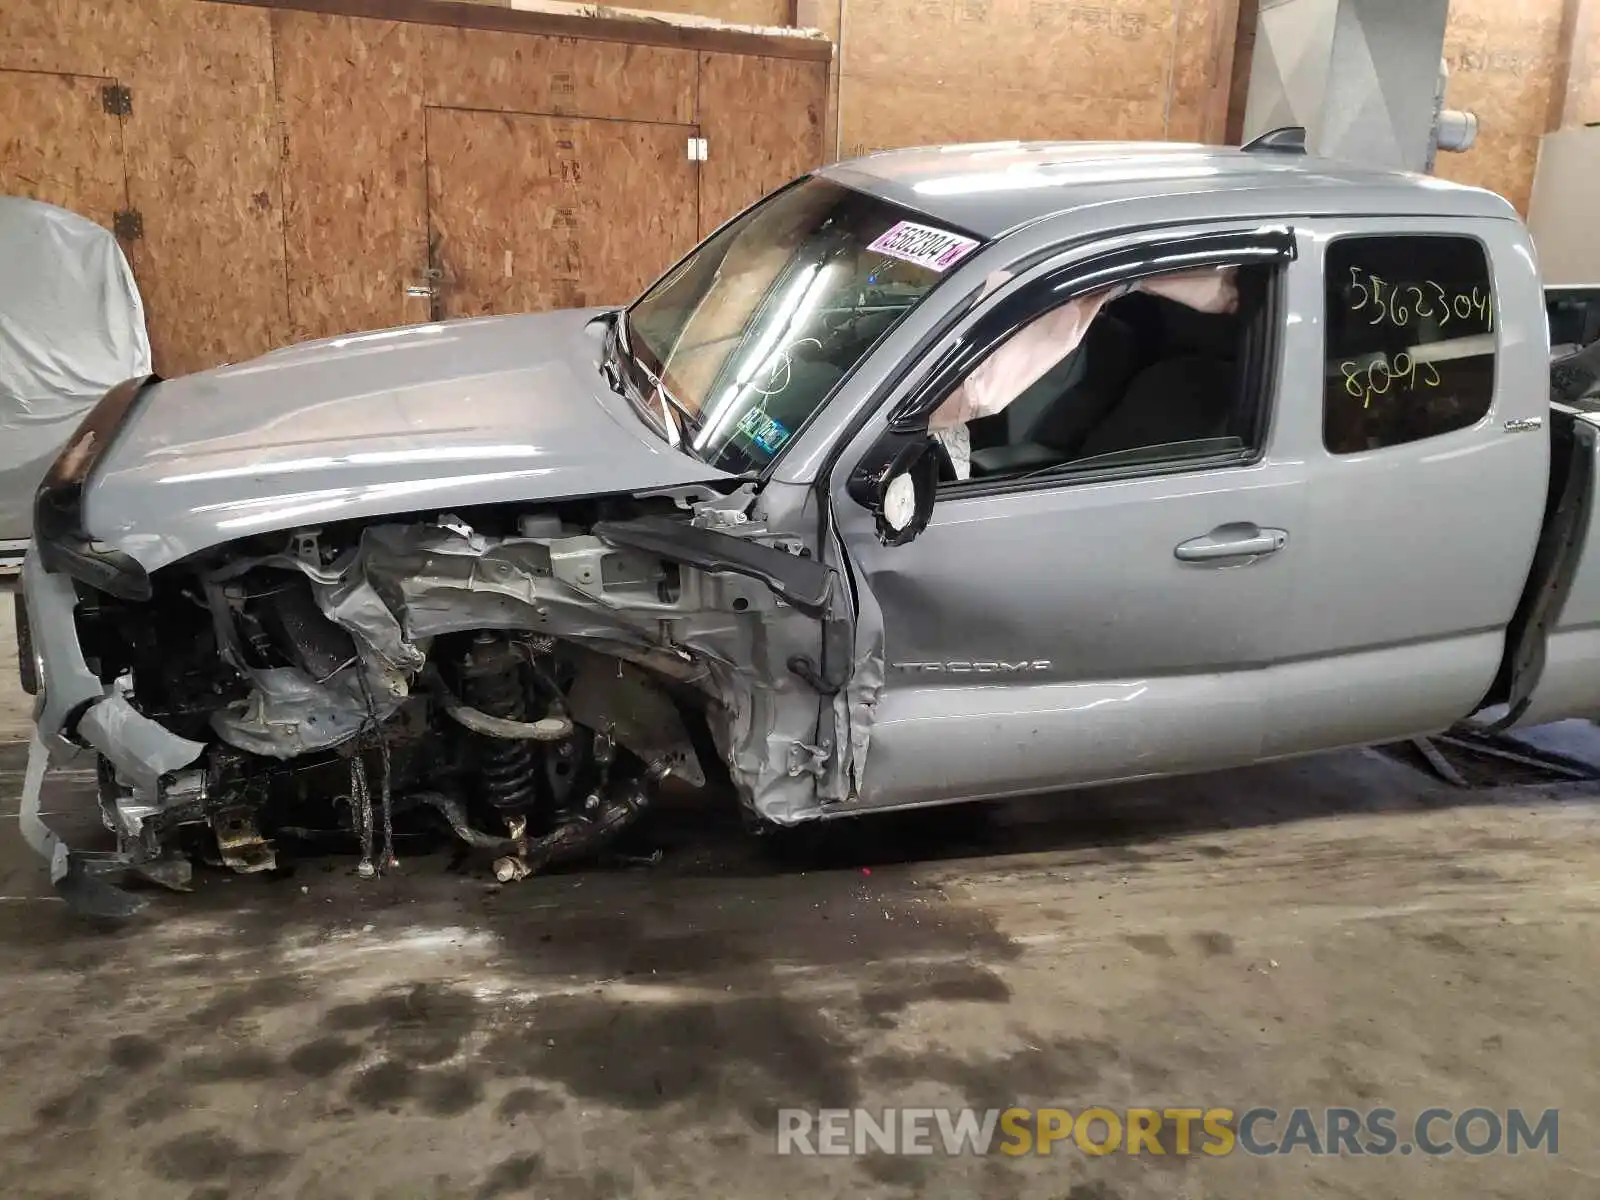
(1410, 340)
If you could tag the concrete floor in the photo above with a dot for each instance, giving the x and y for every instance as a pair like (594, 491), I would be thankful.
(1336, 932)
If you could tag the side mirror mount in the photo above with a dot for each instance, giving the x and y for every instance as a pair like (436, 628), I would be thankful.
(896, 483)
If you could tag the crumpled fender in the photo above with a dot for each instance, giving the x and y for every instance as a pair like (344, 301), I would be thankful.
(68, 684)
(73, 703)
(139, 749)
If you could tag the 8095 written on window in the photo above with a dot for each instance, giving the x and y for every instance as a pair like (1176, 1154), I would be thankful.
(1410, 340)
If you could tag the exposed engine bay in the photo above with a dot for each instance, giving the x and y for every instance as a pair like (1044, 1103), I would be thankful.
(524, 681)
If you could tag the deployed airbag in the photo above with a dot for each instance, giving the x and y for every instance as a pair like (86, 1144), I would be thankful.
(1050, 337)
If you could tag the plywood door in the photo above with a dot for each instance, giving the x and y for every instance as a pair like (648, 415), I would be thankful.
(528, 213)
(58, 144)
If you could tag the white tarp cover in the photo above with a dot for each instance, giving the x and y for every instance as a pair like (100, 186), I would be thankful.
(71, 327)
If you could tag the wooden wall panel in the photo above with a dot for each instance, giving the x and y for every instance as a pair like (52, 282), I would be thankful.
(278, 157)
(1202, 70)
(350, 95)
(199, 155)
(508, 72)
(738, 12)
(76, 37)
(59, 145)
(1584, 70)
(1244, 48)
(533, 213)
(1572, 72)
(763, 120)
(1047, 69)
(1501, 54)
(827, 16)
(924, 115)
(202, 148)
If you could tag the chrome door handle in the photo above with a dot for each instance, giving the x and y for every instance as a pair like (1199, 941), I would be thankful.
(1232, 541)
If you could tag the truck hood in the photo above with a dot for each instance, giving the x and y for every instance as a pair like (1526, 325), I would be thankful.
(419, 419)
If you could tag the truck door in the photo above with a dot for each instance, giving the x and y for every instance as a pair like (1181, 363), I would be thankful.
(1427, 466)
(1098, 596)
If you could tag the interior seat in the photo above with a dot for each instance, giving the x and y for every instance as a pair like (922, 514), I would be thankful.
(1053, 414)
(1188, 394)
(1182, 399)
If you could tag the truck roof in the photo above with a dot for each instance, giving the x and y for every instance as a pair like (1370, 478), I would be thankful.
(990, 188)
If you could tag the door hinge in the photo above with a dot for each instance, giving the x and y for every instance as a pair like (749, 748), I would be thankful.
(697, 149)
(117, 100)
(128, 225)
(808, 760)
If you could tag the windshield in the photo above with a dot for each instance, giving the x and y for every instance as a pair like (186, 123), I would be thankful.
(749, 334)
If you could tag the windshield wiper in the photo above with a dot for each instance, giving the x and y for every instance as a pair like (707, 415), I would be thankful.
(618, 351)
(611, 356)
(687, 422)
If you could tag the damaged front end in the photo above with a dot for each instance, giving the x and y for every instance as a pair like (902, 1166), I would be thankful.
(523, 679)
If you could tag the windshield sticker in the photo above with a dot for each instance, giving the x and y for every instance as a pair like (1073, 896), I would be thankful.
(924, 245)
(768, 434)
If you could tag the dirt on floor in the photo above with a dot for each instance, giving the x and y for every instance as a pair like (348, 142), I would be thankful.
(1341, 932)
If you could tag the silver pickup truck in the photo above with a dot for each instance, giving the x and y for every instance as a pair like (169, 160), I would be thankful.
(938, 475)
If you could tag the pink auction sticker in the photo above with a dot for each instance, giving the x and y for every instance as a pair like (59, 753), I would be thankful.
(936, 249)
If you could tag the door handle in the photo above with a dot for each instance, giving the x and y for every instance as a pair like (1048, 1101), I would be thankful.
(1242, 540)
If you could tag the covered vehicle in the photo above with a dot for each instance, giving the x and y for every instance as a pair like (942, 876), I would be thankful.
(938, 475)
(71, 326)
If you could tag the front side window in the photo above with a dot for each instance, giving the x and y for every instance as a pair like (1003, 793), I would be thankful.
(1156, 372)
(749, 334)
(1410, 340)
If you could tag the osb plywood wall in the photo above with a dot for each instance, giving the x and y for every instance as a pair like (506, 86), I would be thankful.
(1244, 47)
(197, 155)
(911, 72)
(281, 165)
(357, 100)
(1586, 77)
(918, 71)
(741, 12)
(1502, 56)
(736, 12)
(931, 70)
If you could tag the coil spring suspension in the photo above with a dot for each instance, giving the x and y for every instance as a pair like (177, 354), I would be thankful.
(491, 681)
